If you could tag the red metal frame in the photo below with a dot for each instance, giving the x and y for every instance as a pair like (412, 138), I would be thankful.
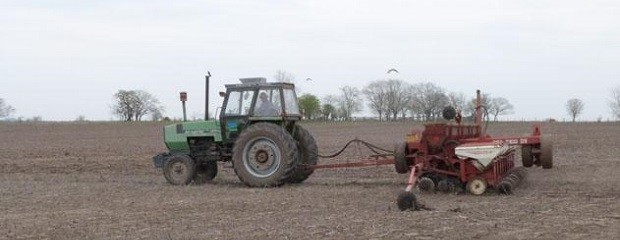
(412, 177)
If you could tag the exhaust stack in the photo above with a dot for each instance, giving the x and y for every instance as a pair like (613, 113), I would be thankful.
(207, 95)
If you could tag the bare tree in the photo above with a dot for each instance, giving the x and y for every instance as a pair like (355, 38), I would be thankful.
(397, 96)
(123, 104)
(499, 106)
(574, 107)
(284, 76)
(146, 104)
(331, 99)
(614, 102)
(376, 94)
(428, 100)
(350, 101)
(5, 109)
(458, 100)
(157, 114)
(134, 104)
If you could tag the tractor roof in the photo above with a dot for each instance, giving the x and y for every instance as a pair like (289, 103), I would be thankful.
(260, 84)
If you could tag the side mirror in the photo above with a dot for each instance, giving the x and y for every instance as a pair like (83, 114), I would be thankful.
(222, 94)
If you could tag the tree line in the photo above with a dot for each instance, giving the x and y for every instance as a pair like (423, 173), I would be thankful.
(388, 99)
(392, 99)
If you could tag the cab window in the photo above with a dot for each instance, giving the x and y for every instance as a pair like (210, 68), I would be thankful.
(268, 103)
(290, 100)
(239, 102)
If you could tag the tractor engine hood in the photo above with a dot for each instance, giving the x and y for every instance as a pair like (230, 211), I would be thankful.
(482, 153)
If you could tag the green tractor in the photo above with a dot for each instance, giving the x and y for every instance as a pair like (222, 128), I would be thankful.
(257, 130)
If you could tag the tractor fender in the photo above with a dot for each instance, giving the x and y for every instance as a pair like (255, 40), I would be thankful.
(160, 160)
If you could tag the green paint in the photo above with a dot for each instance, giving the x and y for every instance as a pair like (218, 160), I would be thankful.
(175, 135)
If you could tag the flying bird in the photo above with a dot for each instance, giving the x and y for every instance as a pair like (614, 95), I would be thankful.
(392, 70)
(308, 79)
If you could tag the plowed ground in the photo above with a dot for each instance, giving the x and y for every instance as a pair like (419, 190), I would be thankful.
(96, 181)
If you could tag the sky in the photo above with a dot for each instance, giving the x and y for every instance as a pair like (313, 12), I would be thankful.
(64, 59)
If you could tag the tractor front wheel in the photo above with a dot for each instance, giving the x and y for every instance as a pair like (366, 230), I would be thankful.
(179, 169)
(265, 155)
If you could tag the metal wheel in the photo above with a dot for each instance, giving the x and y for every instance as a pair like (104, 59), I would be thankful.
(446, 186)
(179, 169)
(477, 186)
(546, 152)
(261, 157)
(407, 201)
(426, 184)
(514, 179)
(505, 188)
(520, 172)
(527, 158)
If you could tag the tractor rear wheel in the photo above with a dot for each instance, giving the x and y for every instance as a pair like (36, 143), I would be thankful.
(407, 201)
(264, 155)
(477, 186)
(400, 161)
(546, 152)
(179, 169)
(527, 159)
(308, 152)
(205, 172)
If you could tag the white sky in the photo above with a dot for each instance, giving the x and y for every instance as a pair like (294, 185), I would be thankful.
(62, 59)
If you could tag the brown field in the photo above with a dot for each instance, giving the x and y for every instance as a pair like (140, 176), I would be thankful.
(96, 181)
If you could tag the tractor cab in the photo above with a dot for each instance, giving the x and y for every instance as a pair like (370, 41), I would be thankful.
(255, 100)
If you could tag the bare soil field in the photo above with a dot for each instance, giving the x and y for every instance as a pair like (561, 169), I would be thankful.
(97, 181)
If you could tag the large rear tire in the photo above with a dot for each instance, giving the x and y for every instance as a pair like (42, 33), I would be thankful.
(546, 152)
(308, 152)
(400, 161)
(179, 169)
(527, 159)
(264, 155)
(205, 172)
